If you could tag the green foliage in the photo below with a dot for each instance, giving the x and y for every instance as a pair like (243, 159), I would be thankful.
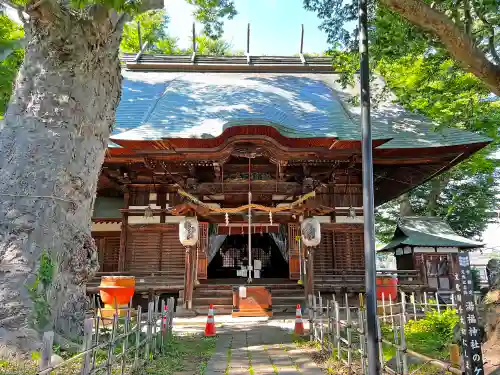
(476, 279)
(38, 292)
(442, 323)
(393, 37)
(182, 353)
(10, 32)
(211, 47)
(432, 335)
(210, 13)
(433, 85)
(153, 25)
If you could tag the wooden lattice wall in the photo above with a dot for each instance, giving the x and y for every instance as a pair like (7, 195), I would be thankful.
(154, 248)
(341, 248)
(108, 247)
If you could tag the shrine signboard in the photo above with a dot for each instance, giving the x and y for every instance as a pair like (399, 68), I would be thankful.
(466, 309)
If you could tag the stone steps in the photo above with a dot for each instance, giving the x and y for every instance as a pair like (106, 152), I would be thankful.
(285, 297)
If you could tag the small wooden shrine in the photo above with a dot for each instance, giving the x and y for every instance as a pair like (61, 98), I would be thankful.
(251, 147)
(427, 244)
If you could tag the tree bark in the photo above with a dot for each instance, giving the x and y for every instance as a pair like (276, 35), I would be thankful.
(457, 42)
(437, 185)
(52, 142)
(405, 208)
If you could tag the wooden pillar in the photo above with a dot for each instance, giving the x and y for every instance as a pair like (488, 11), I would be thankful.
(189, 277)
(310, 271)
(123, 233)
(162, 202)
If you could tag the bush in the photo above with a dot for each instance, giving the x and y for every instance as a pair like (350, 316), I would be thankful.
(442, 323)
(432, 335)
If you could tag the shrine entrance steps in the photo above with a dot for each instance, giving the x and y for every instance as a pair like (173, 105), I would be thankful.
(285, 295)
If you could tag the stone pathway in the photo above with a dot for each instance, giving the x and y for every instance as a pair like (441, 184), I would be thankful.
(258, 349)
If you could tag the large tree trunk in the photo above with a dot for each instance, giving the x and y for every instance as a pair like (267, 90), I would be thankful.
(405, 208)
(52, 144)
(437, 186)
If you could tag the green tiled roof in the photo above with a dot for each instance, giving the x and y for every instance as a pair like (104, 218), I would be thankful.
(156, 105)
(427, 232)
(107, 208)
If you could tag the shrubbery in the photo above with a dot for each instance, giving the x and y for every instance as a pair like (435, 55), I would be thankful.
(432, 334)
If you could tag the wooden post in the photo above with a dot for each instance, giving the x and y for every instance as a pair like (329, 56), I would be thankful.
(380, 348)
(311, 316)
(149, 331)
(402, 322)
(97, 326)
(362, 340)
(137, 336)
(46, 355)
(248, 39)
(302, 39)
(123, 234)
(315, 317)
(337, 330)
(139, 34)
(396, 343)
(194, 37)
(349, 334)
(154, 321)
(162, 202)
(403, 305)
(390, 309)
(310, 272)
(125, 339)
(170, 316)
(188, 279)
(88, 325)
(109, 360)
(321, 320)
(383, 305)
(412, 299)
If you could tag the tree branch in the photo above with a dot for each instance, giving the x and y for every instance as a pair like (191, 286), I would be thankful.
(467, 17)
(491, 39)
(459, 44)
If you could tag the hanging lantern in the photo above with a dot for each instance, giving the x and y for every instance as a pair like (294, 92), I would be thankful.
(188, 231)
(227, 219)
(270, 217)
(311, 232)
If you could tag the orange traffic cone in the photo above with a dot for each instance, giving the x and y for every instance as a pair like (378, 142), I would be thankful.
(210, 326)
(299, 324)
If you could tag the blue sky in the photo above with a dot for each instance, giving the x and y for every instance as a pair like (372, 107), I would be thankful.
(275, 26)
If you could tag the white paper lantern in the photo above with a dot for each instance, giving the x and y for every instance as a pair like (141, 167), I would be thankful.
(311, 232)
(189, 231)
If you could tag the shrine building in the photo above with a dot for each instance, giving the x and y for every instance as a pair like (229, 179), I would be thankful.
(251, 147)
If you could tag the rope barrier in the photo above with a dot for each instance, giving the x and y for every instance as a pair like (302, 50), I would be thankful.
(254, 206)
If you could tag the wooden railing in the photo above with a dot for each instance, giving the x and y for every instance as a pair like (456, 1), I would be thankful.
(355, 278)
(144, 281)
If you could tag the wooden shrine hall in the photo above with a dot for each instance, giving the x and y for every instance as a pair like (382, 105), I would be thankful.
(250, 148)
